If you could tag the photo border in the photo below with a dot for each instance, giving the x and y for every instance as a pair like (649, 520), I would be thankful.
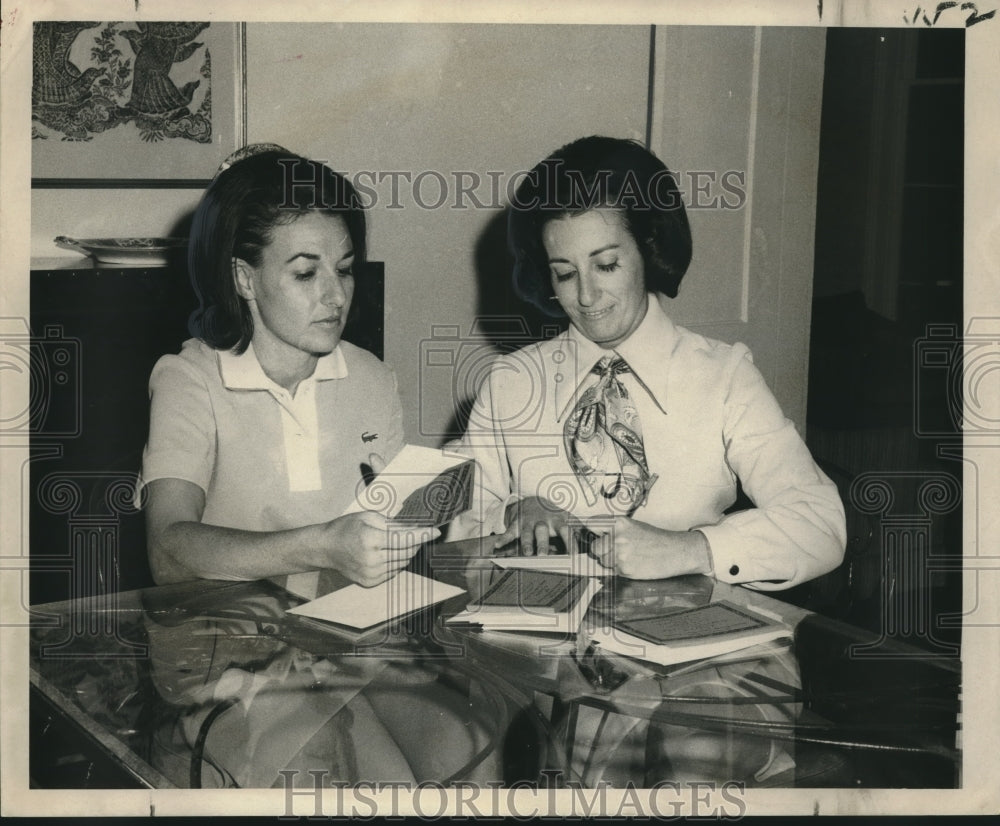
(978, 795)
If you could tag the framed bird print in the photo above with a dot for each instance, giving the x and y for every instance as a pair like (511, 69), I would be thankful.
(135, 104)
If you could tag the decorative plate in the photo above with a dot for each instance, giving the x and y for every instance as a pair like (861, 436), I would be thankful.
(125, 250)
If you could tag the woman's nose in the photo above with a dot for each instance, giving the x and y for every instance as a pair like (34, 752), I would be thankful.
(587, 292)
(333, 290)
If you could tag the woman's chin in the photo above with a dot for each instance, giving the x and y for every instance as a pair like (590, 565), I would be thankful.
(324, 345)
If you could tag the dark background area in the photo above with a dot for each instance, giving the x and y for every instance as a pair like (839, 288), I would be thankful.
(887, 319)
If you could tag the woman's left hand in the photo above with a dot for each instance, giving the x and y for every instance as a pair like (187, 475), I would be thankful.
(640, 551)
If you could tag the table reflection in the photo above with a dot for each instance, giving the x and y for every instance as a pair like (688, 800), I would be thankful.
(210, 684)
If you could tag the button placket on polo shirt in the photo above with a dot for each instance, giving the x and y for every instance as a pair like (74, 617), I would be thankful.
(301, 432)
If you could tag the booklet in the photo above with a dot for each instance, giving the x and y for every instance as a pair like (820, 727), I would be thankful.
(691, 634)
(579, 564)
(421, 487)
(360, 608)
(528, 600)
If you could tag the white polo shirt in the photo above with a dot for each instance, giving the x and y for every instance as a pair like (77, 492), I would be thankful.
(268, 460)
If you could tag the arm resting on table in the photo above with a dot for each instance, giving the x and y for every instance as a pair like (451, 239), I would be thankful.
(362, 546)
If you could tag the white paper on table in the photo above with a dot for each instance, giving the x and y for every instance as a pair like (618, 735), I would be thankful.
(579, 564)
(359, 607)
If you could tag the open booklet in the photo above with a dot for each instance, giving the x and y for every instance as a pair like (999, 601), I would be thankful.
(690, 634)
(420, 487)
(419, 490)
(528, 600)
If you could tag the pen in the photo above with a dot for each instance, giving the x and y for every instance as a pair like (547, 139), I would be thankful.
(586, 537)
(470, 626)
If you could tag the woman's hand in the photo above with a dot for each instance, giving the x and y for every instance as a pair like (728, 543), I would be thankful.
(365, 547)
(640, 551)
(368, 548)
(534, 522)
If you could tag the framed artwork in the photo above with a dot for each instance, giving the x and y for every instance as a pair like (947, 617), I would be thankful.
(135, 104)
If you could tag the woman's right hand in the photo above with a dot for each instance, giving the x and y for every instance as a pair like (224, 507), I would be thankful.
(365, 547)
(534, 521)
(368, 548)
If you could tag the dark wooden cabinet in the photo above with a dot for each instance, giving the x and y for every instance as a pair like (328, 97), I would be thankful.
(96, 334)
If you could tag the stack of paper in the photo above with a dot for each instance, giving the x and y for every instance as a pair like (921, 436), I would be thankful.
(691, 634)
(529, 600)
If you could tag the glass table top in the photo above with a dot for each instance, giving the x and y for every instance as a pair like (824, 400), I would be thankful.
(214, 684)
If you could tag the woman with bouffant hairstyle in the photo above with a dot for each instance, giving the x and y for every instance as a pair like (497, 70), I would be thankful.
(626, 437)
(261, 432)
(641, 428)
(255, 447)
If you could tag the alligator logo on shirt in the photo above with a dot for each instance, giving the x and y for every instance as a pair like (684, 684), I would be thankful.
(368, 437)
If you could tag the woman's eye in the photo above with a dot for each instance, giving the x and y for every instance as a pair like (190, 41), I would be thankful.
(347, 272)
(608, 267)
(564, 276)
(305, 276)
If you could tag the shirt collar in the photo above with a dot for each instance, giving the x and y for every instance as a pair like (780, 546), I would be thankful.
(644, 350)
(243, 371)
